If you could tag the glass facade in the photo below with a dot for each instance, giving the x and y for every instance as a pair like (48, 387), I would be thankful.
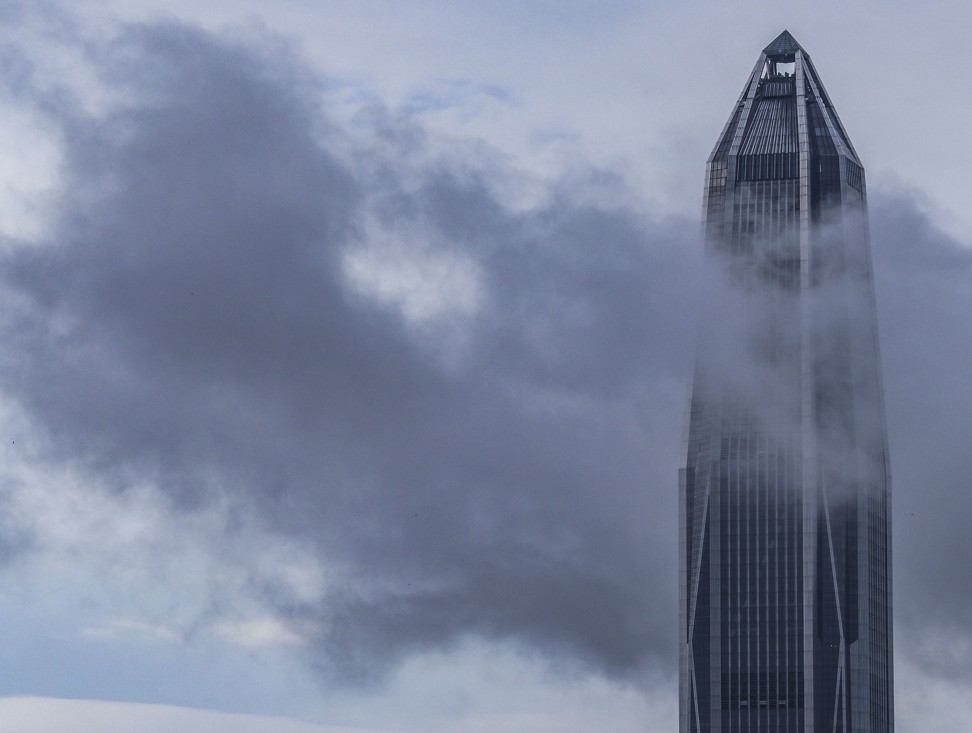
(784, 524)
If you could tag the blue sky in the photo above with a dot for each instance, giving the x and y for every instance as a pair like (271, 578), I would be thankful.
(346, 347)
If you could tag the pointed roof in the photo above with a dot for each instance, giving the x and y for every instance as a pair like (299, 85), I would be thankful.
(783, 44)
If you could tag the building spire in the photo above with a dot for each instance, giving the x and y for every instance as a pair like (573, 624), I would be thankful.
(783, 45)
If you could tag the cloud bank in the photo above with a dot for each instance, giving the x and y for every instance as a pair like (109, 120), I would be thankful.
(460, 404)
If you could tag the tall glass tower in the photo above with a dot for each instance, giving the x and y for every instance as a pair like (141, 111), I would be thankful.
(785, 524)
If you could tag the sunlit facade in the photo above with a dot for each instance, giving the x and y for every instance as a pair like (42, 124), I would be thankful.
(785, 527)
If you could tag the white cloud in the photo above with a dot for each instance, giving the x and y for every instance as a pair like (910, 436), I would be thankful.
(425, 282)
(52, 715)
(131, 554)
(481, 687)
(265, 631)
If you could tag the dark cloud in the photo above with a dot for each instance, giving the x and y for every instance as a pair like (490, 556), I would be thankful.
(190, 319)
(924, 284)
(508, 472)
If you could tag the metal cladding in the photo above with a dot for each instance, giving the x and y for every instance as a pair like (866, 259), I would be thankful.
(784, 494)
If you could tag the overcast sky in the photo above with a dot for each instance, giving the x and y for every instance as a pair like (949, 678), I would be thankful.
(346, 346)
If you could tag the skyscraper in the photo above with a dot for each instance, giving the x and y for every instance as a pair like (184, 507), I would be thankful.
(785, 526)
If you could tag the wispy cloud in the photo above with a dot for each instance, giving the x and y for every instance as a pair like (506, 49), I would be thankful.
(128, 628)
(265, 631)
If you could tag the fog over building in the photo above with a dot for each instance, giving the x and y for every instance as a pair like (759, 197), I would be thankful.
(785, 526)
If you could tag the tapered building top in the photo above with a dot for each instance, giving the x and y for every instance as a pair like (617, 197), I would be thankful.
(784, 69)
(785, 127)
